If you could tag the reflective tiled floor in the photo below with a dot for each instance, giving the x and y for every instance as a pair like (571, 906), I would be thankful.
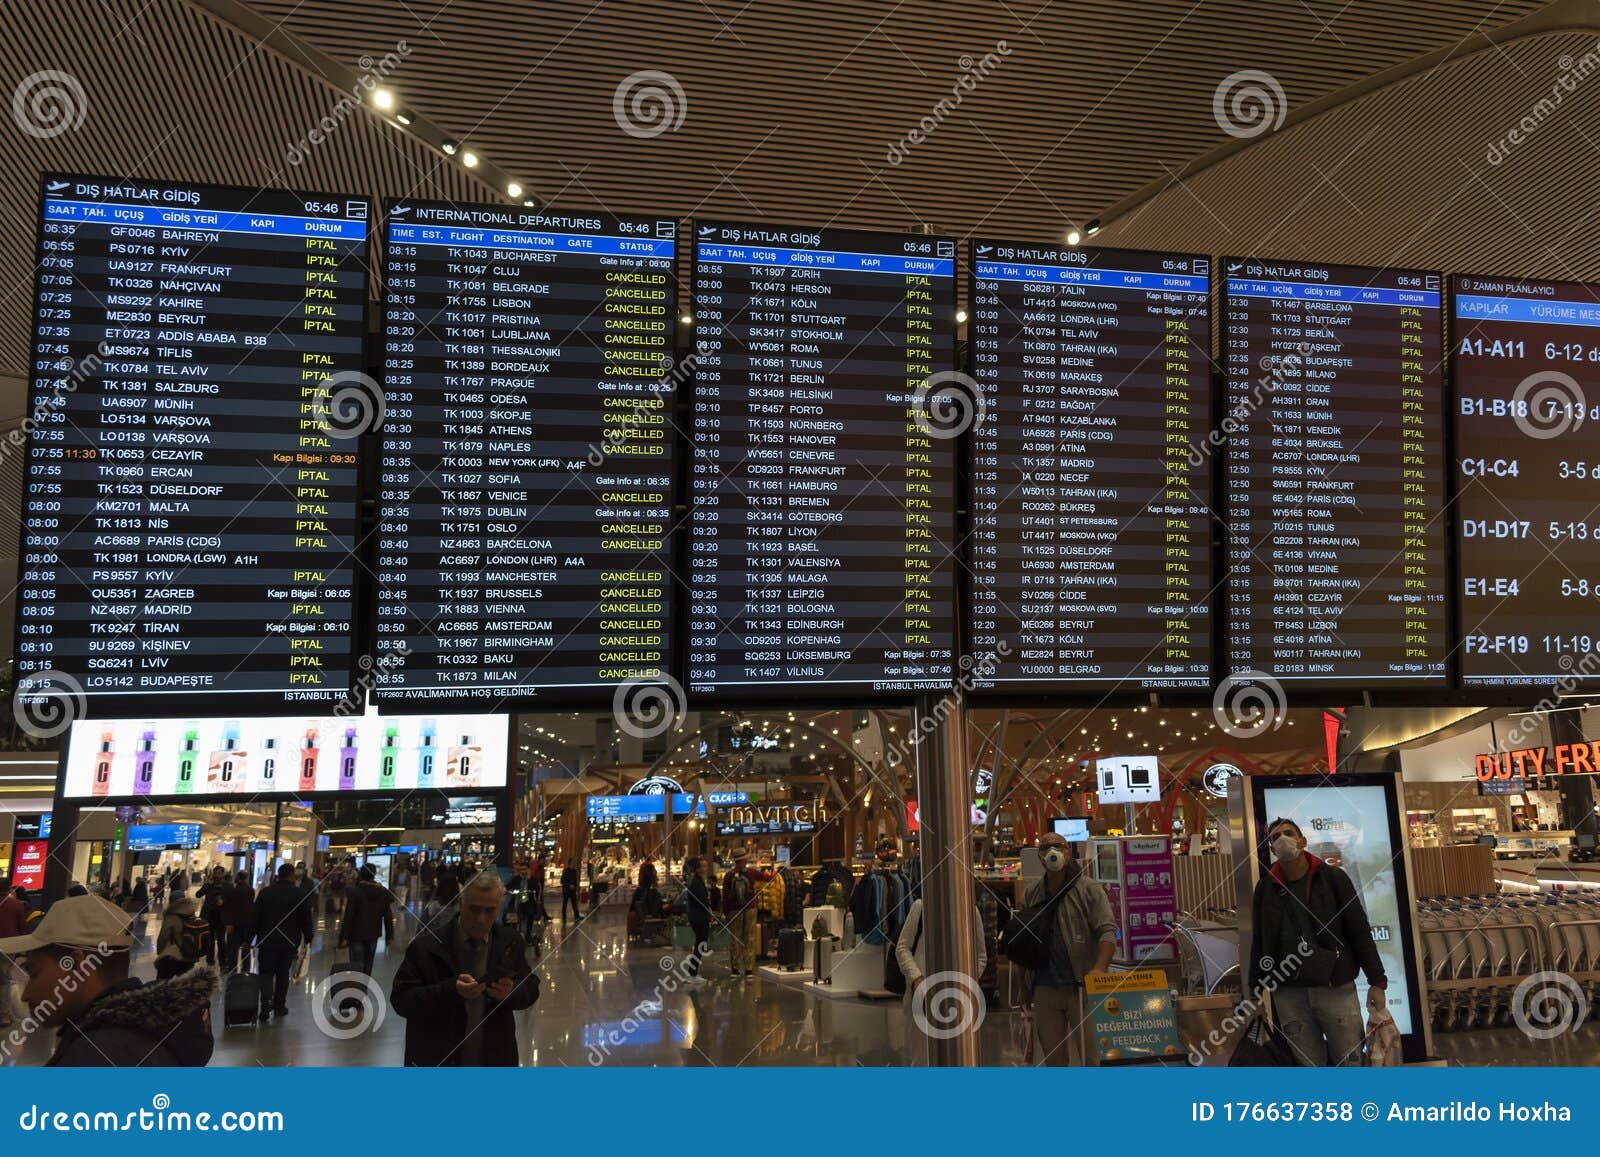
(603, 1002)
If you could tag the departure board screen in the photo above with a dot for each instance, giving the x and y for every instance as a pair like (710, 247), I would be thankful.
(823, 488)
(527, 453)
(1526, 367)
(191, 491)
(1090, 551)
(1333, 515)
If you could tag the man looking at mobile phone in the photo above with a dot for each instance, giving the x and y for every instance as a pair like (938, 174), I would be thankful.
(462, 983)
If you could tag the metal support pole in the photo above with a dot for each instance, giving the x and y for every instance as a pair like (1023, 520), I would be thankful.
(277, 845)
(949, 910)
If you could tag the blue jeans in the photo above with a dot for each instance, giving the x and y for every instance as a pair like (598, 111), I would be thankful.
(1323, 1024)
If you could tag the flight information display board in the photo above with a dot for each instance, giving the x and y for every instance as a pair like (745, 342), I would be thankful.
(191, 487)
(527, 453)
(823, 488)
(1525, 357)
(1091, 474)
(1333, 516)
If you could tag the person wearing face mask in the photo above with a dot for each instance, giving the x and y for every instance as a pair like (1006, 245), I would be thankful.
(1309, 937)
(1083, 938)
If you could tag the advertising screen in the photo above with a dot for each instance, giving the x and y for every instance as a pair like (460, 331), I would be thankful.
(1090, 549)
(524, 547)
(1128, 779)
(191, 477)
(1335, 474)
(28, 863)
(822, 513)
(285, 756)
(1349, 827)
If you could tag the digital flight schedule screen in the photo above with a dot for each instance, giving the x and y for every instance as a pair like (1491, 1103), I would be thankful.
(1525, 357)
(1333, 504)
(822, 477)
(527, 453)
(1090, 552)
(190, 501)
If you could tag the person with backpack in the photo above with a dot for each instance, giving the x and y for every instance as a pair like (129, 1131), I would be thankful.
(184, 939)
(1309, 936)
(739, 911)
(912, 958)
(1082, 938)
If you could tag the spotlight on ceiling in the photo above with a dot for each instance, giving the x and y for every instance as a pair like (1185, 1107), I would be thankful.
(1073, 237)
(961, 316)
(513, 190)
(448, 148)
(383, 99)
(403, 115)
(1092, 227)
(469, 159)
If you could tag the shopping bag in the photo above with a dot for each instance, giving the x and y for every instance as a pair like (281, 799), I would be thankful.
(1263, 1046)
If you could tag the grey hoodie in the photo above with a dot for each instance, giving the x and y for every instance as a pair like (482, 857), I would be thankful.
(138, 1025)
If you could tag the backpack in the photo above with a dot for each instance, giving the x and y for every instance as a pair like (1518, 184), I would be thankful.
(739, 890)
(194, 938)
(1025, 940)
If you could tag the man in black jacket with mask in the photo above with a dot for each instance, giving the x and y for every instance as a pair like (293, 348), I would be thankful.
(462, 983)
(1309, 937)
(285, 918)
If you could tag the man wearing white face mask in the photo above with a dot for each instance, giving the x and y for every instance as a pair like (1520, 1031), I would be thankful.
(1083, 938)
(1309, 937)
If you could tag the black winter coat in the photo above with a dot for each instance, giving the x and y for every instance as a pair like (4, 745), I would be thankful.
(285, 917)
(138, 1025)
(369, 913)
(425, 994)
(1321, 906)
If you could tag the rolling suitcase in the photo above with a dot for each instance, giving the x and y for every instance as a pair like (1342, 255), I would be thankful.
(822, 964)
(241, 995)
(791, 949)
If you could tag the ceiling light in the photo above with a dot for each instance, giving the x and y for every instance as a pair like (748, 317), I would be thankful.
(383, 98)
(1092, 227)
(513, 190)
(469, 159)
(961, 316)
(687, 319)
(402, 115)
(448, 148)
(1073, 237)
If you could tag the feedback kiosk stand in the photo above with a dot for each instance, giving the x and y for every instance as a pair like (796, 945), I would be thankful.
(1354, 821)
